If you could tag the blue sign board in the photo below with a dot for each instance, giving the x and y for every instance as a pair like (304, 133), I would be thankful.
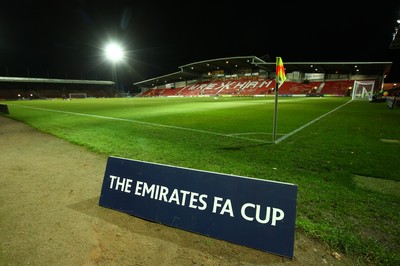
(390, 101)
(251, 212)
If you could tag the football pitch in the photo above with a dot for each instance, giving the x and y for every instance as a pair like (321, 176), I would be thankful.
(342, 154)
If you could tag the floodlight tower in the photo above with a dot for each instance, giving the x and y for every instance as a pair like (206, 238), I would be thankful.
(115, 54)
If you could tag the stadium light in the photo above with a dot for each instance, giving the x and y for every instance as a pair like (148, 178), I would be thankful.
(115, 54)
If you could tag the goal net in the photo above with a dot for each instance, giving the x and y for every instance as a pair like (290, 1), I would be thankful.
(121, 95)
(77, 95)
(363, 90)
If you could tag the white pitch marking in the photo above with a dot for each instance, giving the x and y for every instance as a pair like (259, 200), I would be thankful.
(141, 122)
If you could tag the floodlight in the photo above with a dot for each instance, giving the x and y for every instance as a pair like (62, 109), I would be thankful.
(114, 52)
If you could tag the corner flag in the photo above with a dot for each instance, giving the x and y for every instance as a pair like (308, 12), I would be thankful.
(280, 78)
(280, 72)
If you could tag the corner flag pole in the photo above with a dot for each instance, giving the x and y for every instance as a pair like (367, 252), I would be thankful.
(276, 108)
(280, 77)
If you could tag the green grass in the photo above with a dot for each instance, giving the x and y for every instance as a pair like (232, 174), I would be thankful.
(234, 136)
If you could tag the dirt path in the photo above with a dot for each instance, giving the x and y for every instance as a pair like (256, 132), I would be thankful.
(49, 194)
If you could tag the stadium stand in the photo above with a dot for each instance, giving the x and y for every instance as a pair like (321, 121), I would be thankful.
(250, 87)
(13, 88)
(340, 87)
(251, 76)
(233, 76)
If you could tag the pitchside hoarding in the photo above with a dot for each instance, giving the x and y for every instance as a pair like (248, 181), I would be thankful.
(4, 109)
(251, 212)
(390, 101)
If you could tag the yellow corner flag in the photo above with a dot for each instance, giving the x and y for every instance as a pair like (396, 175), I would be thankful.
(280, 72)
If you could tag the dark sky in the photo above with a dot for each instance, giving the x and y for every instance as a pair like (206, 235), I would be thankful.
(65, 39)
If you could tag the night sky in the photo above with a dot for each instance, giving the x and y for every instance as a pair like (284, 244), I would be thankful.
(65, 39)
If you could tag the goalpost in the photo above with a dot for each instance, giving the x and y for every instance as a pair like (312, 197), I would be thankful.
(77, 95)
(121, 94)
(363, 90)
